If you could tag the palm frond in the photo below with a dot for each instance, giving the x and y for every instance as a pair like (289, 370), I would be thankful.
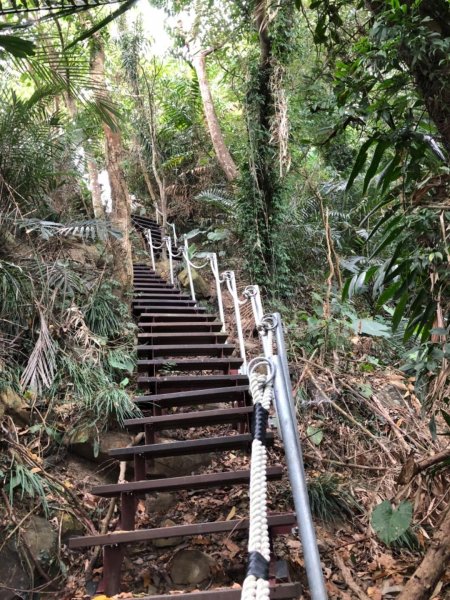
(89, 230)
(41, 368)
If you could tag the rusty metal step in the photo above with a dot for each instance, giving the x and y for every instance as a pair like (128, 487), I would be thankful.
(221, 416)
(190, 482)
(161, 296)
(202, 337)
(285, 520)
(171, 327)
(176, 317)
(145, 307)
(181, 383)
(149, 303)
(188, 364)
(156, 288)
(193, 398)
(167, 350)
(278, 591)
(183, 447)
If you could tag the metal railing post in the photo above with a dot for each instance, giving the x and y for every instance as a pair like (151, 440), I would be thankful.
(175, 237)
(168, 241)
(215, 270)
(231, 284)
(287, 421)
(253, 292)
(188, 267)
(150, 243)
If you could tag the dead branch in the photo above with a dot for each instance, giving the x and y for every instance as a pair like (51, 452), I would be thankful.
(348, 578)
(411, 468)
(427, 575)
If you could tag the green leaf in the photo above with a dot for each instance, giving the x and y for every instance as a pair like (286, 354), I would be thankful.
(359, 162)
(90, 32)
(376, 159)
(314, 434)
(446, 417)
(365, 390)
(399, 311)
(388, 293)
(371, 327)
(390, 523)
(17, 46)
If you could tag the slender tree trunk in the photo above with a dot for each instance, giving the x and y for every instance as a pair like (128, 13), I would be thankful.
(120, 197)
(97, 205)
(145, 174)
(220, 148)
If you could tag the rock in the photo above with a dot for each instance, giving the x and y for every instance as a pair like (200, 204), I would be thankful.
(13, 573)
(70, 525)
(84, 253)
(84, 444)
(14, 405)
(41, 538)
(201, 286)
(190, 566)
(159, 503)
(177, 466)
(167, 542)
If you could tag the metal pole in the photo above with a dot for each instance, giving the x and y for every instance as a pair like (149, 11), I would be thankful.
(188, 267)
(169, 250)
(215, 270)
(175, 238)
(253, 292)
(150, 242)
(231, 283)
(294, 460)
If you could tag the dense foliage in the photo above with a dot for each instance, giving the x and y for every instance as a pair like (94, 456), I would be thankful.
(318, 167)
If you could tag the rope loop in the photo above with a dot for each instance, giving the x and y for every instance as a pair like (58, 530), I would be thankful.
(256, 583)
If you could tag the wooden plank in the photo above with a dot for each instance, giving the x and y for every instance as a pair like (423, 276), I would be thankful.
(193, 419)
(185, 350)
(144, 535)
(183, 447)
(278, 591)
(231, 394)
(190, 482)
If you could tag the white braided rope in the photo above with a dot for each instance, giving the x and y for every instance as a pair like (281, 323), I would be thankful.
(257, 588)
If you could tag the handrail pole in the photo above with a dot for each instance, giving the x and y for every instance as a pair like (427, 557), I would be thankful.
(169, 250)
(150, 243)
(188, 267)
(215, 270)
(294, 458)
(175, 237)
(254, 293)
(231, 282)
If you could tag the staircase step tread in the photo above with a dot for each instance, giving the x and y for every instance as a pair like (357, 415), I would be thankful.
(279, 591)
(184, 349)
(183, 447)
(186, 365)
(187, 378)
(142, 535)
(189, 482)
(178, 316)
(193, 397)
(193, 418)
(183, 334)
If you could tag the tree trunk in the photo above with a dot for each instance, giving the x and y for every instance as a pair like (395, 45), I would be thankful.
(97, 205)
(145, 174)
(222, 153)
(427, 575)
(120, 197)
